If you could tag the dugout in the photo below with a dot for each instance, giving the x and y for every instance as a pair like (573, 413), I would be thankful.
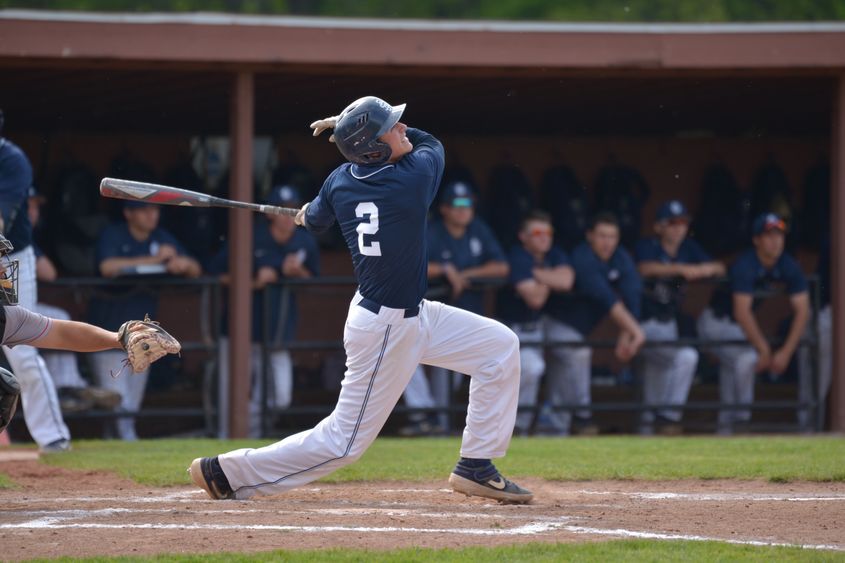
(666, 99)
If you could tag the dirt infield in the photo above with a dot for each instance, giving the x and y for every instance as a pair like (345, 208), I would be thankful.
(57, 512)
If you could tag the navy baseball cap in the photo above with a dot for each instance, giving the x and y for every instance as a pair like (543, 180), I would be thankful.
(284, 195)
(672, 209)
(768, 222)
(458, 194)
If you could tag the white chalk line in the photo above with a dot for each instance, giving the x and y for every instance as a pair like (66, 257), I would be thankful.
(105, 512)
(621, 532)
(533, 528)
(755, 497)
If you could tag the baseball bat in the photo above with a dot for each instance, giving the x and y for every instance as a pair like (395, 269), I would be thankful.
(168, 195)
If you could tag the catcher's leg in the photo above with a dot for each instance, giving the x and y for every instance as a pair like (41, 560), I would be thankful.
(10, 390)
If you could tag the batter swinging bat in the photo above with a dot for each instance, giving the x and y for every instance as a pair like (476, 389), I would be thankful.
(167, 195)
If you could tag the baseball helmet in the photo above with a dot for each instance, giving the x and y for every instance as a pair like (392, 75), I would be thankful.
(8, 274)
(359, 127)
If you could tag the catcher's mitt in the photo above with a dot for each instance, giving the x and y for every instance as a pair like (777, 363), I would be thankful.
(145, 342)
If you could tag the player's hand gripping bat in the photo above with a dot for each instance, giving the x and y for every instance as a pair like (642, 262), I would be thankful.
(167, 195)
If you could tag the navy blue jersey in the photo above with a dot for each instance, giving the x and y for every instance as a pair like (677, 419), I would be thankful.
(662, 297)
(512, 308)
(478, 246)
(115, 241)
(15, 181)
(748, 275)
(268, 253)
(599, 286)
(382, 211)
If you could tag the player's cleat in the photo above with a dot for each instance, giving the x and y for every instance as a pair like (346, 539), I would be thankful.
(55, 447)
(486, 481)
(207, 475)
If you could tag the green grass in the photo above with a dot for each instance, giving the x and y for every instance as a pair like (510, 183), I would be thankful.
(625, 550)
(777, 459)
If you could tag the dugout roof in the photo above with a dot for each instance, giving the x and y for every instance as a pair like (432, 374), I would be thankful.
(172, 72)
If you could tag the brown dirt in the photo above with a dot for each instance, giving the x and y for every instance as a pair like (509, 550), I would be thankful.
(57, 512)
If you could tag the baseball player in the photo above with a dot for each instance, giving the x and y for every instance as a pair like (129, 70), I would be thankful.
(730, 316)
(539, 270)
(42, 413)
(461, 247)
(380, 199)
(666, 262)
(132, 247)
(21, 326)
(607, 284)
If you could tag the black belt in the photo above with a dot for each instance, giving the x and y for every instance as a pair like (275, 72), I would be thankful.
(374, 308)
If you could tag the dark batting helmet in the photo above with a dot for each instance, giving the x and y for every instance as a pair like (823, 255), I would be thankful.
(8, 274)
(359, 127)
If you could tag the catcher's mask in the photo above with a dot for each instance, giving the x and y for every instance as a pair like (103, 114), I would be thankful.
(359, 127)
(8, 274)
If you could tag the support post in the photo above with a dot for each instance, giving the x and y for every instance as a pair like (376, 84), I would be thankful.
(241, 129)
(837, 260)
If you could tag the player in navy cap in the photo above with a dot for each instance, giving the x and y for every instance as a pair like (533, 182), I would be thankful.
(666, 262)
(380, 199)
(763, 267)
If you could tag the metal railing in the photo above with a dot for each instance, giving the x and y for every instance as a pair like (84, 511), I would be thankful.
(209, 320)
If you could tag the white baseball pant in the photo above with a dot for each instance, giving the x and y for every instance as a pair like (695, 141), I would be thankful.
(806, 366)
(130, 385)
(383, 351)
(736, 366)
(279, 388)
(667, 370)
(431, 391)
(568, 380)
(40, 403)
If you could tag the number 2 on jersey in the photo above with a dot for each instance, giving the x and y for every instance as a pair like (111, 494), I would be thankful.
(369, 227)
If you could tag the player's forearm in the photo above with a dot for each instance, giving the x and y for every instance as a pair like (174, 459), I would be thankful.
(558, 279)
(491, 269)
(715, 269)
(420, 138)
(801, 314)
(111, 267)
(746, 321)
(623, 319)
(77, 337)
(534, 294)
(658, 270)
(45, 270)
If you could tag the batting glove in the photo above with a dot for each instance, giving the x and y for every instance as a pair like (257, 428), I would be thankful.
(300, 216)
(322, 124)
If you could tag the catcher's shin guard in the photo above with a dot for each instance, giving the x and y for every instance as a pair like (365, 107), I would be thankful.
(10, 390)
(207, 474)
